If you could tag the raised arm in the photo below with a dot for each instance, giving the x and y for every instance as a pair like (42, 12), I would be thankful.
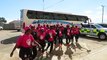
(11, 54)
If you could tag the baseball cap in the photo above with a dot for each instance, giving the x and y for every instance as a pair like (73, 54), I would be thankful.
(26, 28)
(31, 26)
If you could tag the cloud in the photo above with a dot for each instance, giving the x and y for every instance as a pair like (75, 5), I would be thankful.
(99, 8)
(88, 12)
(95, 15)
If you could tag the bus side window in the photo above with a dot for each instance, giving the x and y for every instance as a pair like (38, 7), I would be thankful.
(55, 16)
(46, 16)
(39, 15)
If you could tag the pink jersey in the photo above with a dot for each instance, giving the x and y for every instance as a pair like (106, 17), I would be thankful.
(62, 28)
(38, 32)
(76, 30)
(51, 33)
(25, 41)
(54, 32)
(42, 36)
(68, 31)
(60, 34)
(35, 30)
(72, 31)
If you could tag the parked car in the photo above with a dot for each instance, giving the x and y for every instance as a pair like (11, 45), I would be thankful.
(103, 25)
(1, 28)
(94, 30)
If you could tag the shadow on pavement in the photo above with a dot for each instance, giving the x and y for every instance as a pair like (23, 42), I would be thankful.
(58, 53)
(78, 46)
(14, 31)
(92, 38)
(69, 52)
(9, 40)
(73, 46)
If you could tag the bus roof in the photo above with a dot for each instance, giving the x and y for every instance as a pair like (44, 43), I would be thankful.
(56, 12)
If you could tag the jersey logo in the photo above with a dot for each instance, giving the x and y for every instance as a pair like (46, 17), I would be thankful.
(28, 42)
(41, 37)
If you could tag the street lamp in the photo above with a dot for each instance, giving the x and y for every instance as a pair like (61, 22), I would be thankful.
(102, 12)
(43, 5)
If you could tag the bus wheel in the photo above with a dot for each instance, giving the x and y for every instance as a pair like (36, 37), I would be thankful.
(102, 36)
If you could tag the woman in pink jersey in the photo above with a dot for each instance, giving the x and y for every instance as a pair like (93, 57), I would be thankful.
(42, 39)
(67, 35)
(72, 33)
(76, 33)
(25, 42)
(50, 38)
(60, 36)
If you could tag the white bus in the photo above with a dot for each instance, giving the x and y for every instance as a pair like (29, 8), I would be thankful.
(30, 16)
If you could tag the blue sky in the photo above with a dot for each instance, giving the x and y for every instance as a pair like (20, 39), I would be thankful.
(10, 9)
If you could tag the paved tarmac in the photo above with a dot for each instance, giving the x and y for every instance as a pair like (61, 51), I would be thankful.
(8, 39)
(97, 54)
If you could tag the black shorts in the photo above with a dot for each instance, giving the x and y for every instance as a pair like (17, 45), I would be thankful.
(72, 36)
(25, 53)
(77, 36)
(60, 37)
(42, 43)
(68, 37)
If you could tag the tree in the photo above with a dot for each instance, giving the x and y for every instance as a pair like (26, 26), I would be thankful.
(2, 19)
